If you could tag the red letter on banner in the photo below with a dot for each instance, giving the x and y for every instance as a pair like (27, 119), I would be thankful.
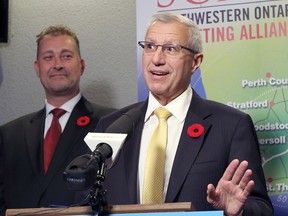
(161, 5)
(197, 2)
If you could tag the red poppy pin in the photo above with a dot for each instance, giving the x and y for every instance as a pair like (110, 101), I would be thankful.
(195, 130)
(83, 121)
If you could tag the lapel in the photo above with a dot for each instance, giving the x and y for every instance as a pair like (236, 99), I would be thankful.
(72, 136)
(131, 155)
(33, 134)
(188, 147)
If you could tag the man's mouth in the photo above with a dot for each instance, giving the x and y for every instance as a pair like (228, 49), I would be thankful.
(57, 73)
(158, 73)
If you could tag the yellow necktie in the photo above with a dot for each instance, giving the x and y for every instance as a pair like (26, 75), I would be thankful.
(155, 161)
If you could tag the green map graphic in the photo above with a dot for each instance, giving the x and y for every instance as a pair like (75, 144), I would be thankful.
(252, 76)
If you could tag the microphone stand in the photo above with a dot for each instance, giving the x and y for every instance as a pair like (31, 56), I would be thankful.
(97, 197)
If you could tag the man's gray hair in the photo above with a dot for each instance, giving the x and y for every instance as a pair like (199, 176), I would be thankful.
(195, 39)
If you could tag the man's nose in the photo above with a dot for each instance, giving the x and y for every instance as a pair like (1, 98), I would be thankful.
(159, 56)
(58, 64)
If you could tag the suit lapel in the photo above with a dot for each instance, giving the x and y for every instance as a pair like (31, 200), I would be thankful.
(34, 130)
(131, 156)
(71, 136)
(186, 154)
(188, 147)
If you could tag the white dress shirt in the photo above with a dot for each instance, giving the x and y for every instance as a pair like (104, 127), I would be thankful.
(178, 108)
(68, 107)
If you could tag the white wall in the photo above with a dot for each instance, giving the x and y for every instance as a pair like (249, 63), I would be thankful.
(107, 34)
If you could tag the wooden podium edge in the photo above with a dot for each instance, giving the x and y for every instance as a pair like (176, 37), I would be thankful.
(165, 207)
(110, 209)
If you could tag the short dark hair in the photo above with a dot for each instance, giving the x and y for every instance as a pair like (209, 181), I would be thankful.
(57, 30)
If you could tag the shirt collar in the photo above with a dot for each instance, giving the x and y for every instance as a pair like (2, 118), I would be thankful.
(68, 106)
(178, 107)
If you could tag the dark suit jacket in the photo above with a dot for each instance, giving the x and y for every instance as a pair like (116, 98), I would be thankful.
(228, 134)
(22, 182)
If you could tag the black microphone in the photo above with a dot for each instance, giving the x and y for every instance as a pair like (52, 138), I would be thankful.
(126, 123)
(81, 173)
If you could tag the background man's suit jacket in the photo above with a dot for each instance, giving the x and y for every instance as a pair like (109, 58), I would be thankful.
(229, 134)
(23, 184)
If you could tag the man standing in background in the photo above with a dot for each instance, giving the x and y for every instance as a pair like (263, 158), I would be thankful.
(36, 148)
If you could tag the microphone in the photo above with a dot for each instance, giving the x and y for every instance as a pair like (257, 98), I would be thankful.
(126, 123)
(116, 133)
(82, 172)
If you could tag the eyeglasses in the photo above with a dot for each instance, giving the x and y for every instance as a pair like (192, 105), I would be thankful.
(167, 49)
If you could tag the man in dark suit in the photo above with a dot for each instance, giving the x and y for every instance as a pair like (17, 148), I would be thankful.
(23, 181)
(212, 154)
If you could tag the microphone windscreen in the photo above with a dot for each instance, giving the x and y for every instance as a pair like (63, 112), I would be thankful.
(126, 123)
(103, 150)
(80, 174)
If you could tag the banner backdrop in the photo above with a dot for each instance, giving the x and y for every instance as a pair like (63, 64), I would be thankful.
(245, 66)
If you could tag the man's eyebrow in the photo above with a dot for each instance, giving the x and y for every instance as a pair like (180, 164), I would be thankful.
(46, 52)
(67, 50)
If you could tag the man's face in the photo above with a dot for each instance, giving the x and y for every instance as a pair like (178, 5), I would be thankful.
(59, 66)
(168, 76)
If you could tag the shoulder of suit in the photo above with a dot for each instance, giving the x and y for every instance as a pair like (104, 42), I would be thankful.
(24, 119)
(98, 110)
(222, 108)
(119, 112)
(102, 110)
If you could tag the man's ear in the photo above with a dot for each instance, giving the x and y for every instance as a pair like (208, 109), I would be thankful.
(198, 58)
(82, 66)
(36, 68)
